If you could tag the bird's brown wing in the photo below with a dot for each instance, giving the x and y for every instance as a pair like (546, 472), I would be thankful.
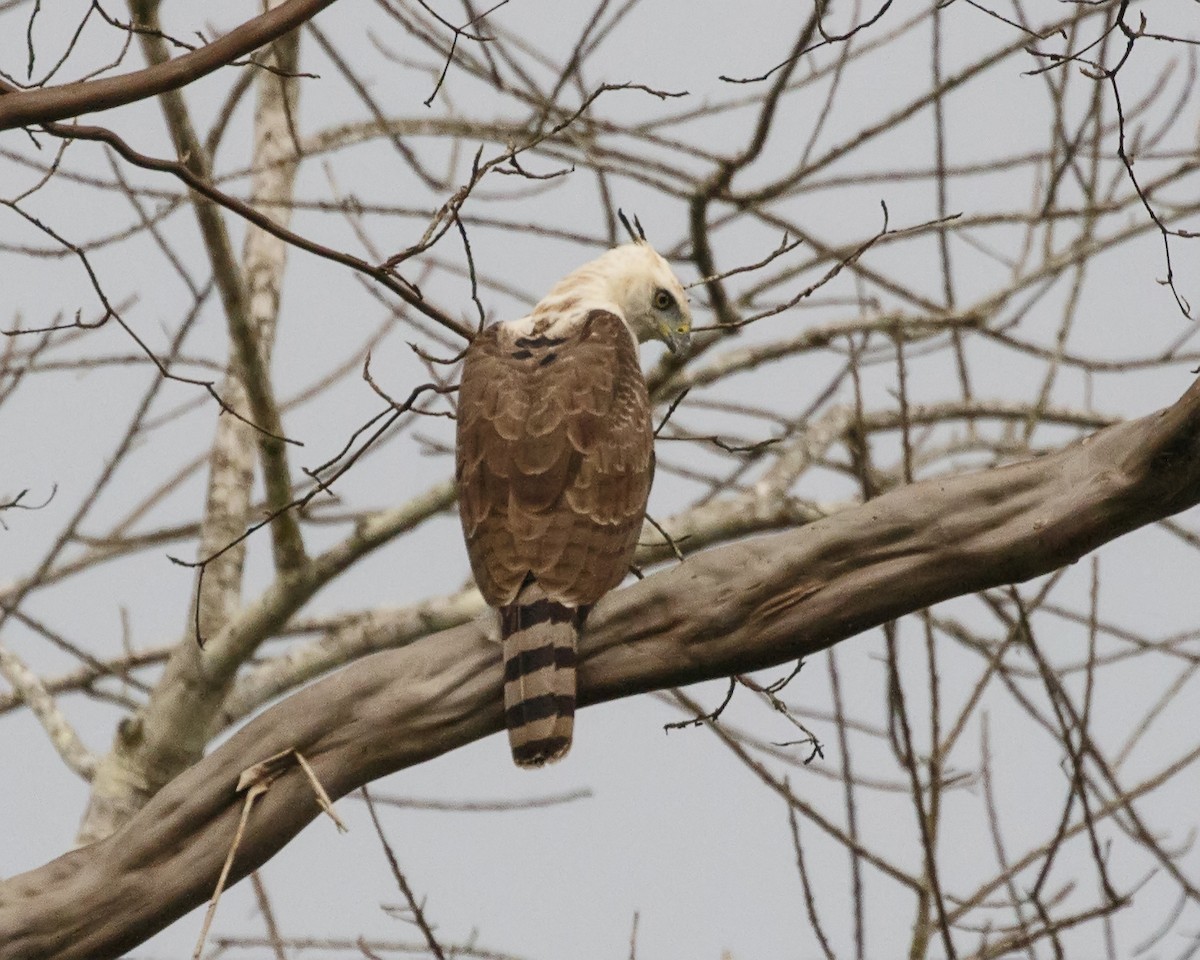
(555, 456)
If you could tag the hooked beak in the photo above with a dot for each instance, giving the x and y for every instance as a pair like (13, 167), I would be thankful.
(678, 341)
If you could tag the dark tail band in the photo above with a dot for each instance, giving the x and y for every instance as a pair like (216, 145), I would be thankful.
(539, 637)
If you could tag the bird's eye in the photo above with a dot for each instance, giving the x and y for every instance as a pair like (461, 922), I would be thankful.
(663, 300)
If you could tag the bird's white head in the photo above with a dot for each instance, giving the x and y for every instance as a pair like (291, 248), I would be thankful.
(637, 284)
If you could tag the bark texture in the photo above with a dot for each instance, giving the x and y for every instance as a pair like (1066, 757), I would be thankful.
(736, 608)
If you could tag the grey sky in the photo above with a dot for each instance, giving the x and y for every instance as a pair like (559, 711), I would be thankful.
(676, 830)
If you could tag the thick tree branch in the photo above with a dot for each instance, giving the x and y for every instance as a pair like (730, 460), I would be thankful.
(250, 296)
(251, 336)
(170, 732)
(728, 610)
(72, 99)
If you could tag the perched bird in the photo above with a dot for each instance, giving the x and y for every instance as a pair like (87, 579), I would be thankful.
(554, 460)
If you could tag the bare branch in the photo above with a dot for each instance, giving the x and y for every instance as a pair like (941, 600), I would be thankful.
(728, 610)
(28, 107)
(62, 735)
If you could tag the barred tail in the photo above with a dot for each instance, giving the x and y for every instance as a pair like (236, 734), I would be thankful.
(539, 675)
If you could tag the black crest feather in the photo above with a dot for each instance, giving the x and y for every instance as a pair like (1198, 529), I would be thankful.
(638, 235)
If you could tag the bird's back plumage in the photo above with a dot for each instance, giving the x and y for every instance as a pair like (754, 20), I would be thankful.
(554, 462)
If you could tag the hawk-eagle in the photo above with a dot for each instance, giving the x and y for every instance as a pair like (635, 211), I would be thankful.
(554, 460)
